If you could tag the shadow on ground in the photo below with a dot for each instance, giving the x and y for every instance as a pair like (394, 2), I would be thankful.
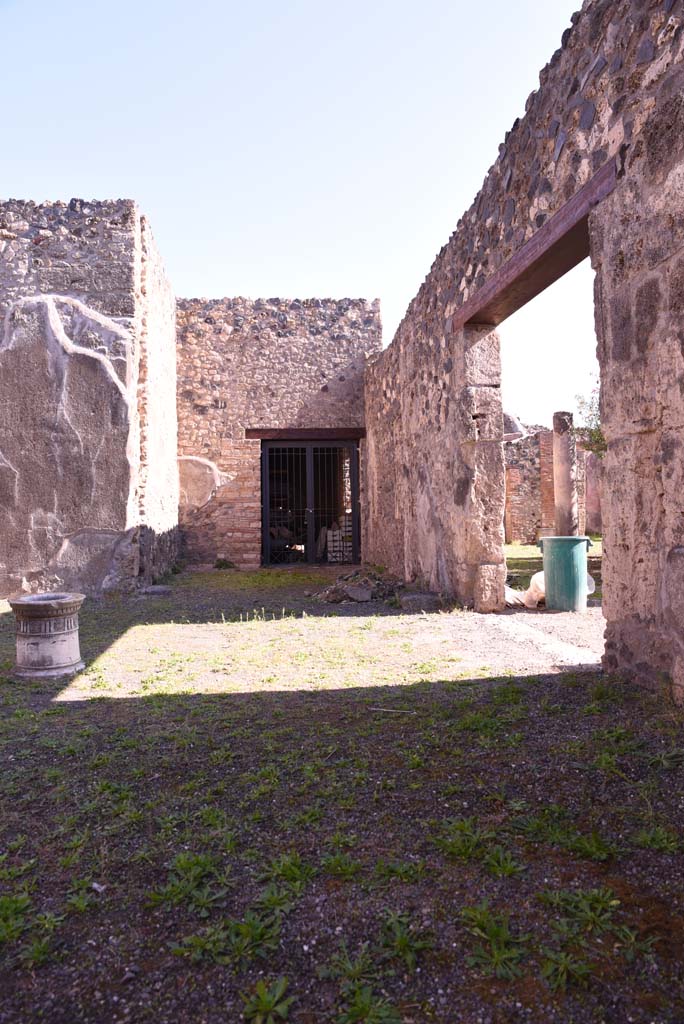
(444, 846)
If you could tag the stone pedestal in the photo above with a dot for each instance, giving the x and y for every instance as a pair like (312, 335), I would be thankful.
(565, 476)
(47, 635)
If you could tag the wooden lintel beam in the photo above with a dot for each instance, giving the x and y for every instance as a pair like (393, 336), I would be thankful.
(558, 246)
(306, 434)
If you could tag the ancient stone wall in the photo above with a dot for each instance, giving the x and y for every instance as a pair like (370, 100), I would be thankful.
(594, 522)
(613, 92)
(581, 484)
(81, 307)
(548, 495)
(522, 516)
(529, 510)
(638, 253)
(258, 364)
(158, 486)
(434, 430)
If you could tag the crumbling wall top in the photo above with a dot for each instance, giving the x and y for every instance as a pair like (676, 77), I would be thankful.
(594, 98)
(82, 249)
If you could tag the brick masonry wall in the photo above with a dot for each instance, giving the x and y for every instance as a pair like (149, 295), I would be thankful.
(81, 309)
(435, 475)
(258, 364)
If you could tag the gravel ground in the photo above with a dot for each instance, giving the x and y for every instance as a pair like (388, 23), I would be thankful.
(445, 818)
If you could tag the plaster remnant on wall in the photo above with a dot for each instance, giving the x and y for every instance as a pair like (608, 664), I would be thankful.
(99, 336)
(64, 421)
(88, 435)
(101, 558)
(200, 479)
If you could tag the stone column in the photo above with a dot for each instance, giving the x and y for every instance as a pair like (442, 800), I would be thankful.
(565, 476)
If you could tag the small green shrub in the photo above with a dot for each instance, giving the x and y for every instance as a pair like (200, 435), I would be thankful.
(628, 943)
(351, 972)
(587, 910)
(275, 899)
(13, 911)
(80, 895)
(268, 1004)
(657, 838)
(501, 863)
(289, 868)
(341, 865)
(549, 825)
(191, 880)
(402, 940)
(500, 952)
(232, 940)
(398, 870)
(364, 1007)
(461, 839)
(591, 847)
(560, 969)
(667, 760)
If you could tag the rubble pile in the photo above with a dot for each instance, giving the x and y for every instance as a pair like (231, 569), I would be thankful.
(361, 585)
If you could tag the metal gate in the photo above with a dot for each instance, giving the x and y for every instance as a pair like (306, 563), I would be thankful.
(310, 502)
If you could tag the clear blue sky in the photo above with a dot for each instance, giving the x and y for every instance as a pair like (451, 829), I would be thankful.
(300, 149)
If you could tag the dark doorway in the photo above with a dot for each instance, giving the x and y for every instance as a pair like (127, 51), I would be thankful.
(310, 502)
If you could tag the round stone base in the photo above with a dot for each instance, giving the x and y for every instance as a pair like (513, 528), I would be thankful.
(47, 673)
(47, 635)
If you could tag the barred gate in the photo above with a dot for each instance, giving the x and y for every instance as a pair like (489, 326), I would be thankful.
(310, 502)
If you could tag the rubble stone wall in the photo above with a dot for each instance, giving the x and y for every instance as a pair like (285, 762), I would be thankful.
(529, 510)
(258, 364)
(522, 516)
(581, 484)
(434, 481)
(435, 473)
(638, 254)
(594, 522)
(81, 315)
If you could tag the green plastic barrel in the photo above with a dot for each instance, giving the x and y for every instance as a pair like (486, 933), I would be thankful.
(565, 572)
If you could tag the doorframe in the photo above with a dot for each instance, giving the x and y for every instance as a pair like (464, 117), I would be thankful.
(311, 440)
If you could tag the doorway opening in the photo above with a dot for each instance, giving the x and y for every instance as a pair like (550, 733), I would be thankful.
(536, 388)
(310, 502)
(559, 246)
